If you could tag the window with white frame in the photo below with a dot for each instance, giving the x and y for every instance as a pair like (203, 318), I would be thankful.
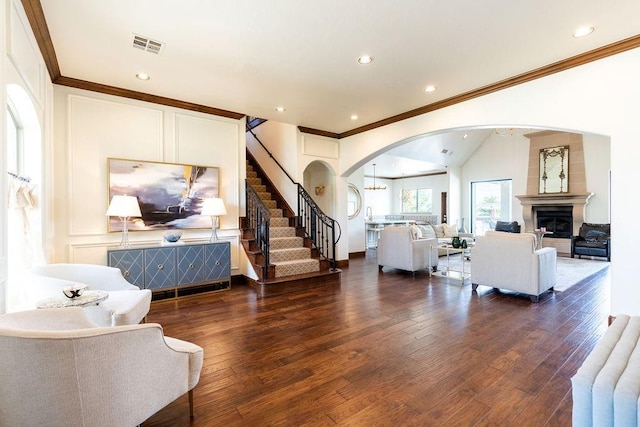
(417, 200)
(491, 201)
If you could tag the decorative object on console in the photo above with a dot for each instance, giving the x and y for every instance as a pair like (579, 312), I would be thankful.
(172, 237)
(125, 207)
(170, 194)
(213, 207)
(455, 242)
(462, 228)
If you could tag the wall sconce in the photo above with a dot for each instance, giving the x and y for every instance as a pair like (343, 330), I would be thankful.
(320, 191)
(125, 207)
(213, 207)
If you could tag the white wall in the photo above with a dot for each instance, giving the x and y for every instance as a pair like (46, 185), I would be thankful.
(601, 97)
(597, 162)
(437, 184)
(91, 127)
(499, 157)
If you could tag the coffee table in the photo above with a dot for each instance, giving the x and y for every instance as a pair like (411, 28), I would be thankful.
(449, 272)
(84, 300)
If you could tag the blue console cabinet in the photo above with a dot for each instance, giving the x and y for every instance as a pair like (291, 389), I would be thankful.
(175, 270)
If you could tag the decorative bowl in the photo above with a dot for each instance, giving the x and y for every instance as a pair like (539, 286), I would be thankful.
(74, 291)
(172, 236)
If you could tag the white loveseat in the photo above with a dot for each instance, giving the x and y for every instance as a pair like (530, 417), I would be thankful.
(400, 247)
(510, 261)
(60, 369)
(126, 304)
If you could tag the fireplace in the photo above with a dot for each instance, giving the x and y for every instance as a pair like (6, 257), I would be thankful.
(558, 220)
(562, 214)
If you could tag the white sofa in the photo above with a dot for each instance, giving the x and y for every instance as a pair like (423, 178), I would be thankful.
(444, 233)
(510, 261)
(606, 390)
(399, 247)
(60, 369)
(126, 304)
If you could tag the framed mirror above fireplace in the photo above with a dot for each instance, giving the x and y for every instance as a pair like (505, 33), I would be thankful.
(554, 170)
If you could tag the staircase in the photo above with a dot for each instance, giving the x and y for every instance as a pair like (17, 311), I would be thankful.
(293, 262)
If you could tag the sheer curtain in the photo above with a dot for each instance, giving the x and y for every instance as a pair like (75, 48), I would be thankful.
(24, 240)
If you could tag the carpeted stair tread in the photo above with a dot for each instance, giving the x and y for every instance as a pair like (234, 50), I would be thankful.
(291, 254)
(285, 242)
(290, 268)
(279, 222)
(275, 232)
(275, 213)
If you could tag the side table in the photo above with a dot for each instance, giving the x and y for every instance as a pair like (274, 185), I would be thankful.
(539, 235)
(86, 299)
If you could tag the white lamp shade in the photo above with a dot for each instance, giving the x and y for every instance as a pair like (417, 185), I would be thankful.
(213, 207)
(124, 206)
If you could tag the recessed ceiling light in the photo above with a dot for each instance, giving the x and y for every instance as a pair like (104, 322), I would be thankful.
(143, 76)
(583, 31)
(354, 117)
(465, 136)
(280, 109)
(365, 59)
(430, 88)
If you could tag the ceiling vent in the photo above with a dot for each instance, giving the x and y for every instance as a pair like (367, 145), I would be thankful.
(146, 44)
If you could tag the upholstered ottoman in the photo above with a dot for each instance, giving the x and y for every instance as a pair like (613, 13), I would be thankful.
(606, 388)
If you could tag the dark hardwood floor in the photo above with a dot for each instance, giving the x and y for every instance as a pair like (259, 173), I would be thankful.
(384, 349)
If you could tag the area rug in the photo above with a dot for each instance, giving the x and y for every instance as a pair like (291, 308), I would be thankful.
(573, 270)
(569, 270)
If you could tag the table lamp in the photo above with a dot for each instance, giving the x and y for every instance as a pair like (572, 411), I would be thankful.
(125, 207)
(213, 207)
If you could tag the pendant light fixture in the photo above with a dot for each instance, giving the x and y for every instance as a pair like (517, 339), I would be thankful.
(374, 186)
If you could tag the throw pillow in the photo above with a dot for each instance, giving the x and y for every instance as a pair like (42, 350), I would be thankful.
(415, 232)
(450, 230)
(439, 230)
(427, 231)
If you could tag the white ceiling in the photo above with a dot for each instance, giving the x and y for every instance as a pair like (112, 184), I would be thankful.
(250, 56)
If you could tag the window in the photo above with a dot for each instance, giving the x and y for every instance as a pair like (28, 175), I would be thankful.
(490, 202)
(417, 201)
(14, 138)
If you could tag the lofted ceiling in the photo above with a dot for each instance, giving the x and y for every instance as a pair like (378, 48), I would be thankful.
(249, 57)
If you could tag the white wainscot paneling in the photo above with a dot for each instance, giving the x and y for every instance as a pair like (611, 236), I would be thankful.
(24, 53)
(206, 141)
(212, 142)
(97, 130)
(320, 148)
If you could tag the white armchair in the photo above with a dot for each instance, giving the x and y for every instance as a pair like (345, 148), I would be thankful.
(511, 261)
(126, 305)
(60, 369)
(398, 248)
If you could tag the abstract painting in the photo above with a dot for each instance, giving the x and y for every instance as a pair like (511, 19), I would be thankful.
(170, 194)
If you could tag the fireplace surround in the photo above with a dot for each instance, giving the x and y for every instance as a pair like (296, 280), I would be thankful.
(567, 208)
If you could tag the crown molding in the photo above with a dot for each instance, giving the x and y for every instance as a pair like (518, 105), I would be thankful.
(35, 14)
(141, 96)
